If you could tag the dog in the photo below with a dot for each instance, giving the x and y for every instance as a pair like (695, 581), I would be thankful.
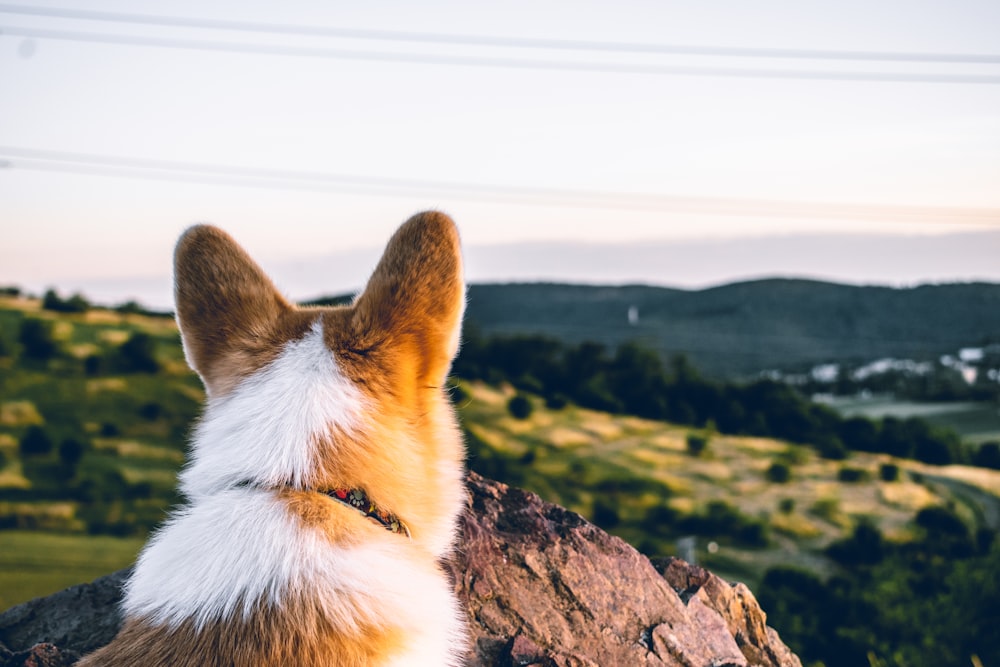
(325, 477)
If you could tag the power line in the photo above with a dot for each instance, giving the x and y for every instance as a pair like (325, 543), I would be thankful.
(493, 41)
(84, 163)
(511, 63)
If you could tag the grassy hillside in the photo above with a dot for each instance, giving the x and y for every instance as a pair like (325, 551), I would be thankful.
(638, 479)
(107, 432)
(743, 328)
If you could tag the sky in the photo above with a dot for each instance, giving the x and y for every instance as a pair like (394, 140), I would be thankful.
(310, 130)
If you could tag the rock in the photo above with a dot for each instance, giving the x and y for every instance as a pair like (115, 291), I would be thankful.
(39, 655)
(543, 588)
(80, 618)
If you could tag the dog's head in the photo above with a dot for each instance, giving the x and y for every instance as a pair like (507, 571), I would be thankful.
(322, 398)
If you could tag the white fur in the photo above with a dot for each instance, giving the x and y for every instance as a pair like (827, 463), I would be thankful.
(263, 430)
(215, 560)
(236, 546)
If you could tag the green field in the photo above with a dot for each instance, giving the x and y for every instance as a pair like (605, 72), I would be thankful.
(636, 478)
(36, 563)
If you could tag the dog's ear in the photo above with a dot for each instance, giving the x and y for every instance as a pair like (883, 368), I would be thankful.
(414, 301)
(226, 305)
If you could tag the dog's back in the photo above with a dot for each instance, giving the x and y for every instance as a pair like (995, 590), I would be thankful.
(325, 476)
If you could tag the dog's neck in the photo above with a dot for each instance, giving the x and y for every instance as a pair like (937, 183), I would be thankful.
(356, 499)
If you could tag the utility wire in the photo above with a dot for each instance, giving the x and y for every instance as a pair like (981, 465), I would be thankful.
(474, 61)
(83, 163)
(493, 41)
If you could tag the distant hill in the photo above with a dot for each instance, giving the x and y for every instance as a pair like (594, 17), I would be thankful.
(740, 329)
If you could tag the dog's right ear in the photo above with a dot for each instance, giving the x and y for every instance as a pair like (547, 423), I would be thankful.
(414, 300)
(226, 305)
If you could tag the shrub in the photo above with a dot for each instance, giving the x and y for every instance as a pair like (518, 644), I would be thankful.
(987, 456)
(658, 518)
(864, 547)
(696, 443)
(859, 434)
(852, 475)
(36, 338)
(71, 451)
(938, 520)
(35, 442)
(605, 514)
(786, 505)
(832, 448)
(519, 406)
(75, 304)
(137, 353)
(888, 472)
(110, 430)
(556, 401)
(779, 473)
(934, 450)
(150, 411)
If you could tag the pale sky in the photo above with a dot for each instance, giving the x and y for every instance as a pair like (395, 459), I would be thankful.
(310, 145)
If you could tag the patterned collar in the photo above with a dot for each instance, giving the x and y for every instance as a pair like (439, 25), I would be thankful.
(356, 499)
(360, 501)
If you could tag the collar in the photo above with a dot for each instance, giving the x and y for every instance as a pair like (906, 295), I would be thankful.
(360, 501)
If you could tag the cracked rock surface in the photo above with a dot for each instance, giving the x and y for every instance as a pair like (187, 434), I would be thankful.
(542, 587)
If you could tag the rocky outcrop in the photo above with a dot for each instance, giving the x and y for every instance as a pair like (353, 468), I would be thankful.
(542, 587)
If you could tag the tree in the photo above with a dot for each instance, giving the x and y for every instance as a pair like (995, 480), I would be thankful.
(519, 406)
(864, 547)
(696, 444)
(859, 434)
(71, 451)
(779, 473)
(35, 442)
(987, 456)
(75, 304)
(137, 353)
(852, 475)
(888, 472)
(36, 338)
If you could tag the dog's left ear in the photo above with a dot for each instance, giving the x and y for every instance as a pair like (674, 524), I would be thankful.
(415, 299)
(226, 306)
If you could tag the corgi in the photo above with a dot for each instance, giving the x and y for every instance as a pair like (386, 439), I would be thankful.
(325, 477)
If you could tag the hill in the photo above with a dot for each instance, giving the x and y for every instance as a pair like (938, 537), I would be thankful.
(94, 406)
(741, 329)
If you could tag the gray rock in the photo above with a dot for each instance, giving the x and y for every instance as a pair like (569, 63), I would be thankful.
(80, 618)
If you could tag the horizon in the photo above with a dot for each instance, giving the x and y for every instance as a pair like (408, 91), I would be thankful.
(302, 279)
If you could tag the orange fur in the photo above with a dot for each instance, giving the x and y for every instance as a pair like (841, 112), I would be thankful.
(297, 634)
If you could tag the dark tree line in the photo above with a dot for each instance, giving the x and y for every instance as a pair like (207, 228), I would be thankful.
(634, 380)
(931, 601)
